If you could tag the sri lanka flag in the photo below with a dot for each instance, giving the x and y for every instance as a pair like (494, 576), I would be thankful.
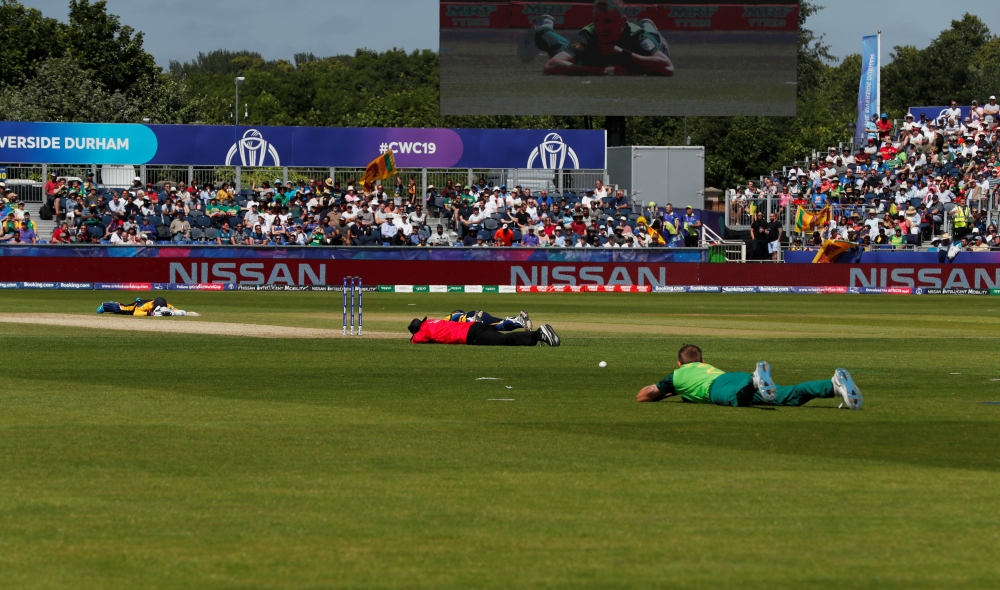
(831, 250)
(806, 221)
(381, 168)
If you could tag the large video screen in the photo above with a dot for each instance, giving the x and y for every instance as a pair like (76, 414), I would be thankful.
(606, 57)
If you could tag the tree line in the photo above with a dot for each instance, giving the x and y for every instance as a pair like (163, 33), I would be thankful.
(93, 68)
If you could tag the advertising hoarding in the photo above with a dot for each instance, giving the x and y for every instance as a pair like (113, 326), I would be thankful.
(217, 145)
(520, 267)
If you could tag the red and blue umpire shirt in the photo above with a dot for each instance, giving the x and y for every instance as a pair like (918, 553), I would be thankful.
(442, 332)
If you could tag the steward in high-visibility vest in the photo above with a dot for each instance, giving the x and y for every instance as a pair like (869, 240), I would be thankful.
(961, 215)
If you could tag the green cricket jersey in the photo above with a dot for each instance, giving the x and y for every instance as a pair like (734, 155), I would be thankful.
(634, 38)
(692, 382)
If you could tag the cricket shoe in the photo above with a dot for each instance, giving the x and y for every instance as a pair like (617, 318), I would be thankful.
(764, 383)
(545, 21)
(524, 320)
(527, 51)
(549, 336)
(477, 316)
(664, 46)
(844, 385)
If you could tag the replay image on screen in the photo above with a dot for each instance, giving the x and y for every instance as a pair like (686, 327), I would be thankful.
(606, 57)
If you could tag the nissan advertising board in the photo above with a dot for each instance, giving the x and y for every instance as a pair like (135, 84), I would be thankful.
(519, 267)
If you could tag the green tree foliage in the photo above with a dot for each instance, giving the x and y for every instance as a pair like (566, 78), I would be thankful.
(984, 71)
(368, 88)
(29, 39)
(91, 69)
(942, 71)
(813, 53)
(111, 51)
(61, 90)
(81, 98)
(217, 63)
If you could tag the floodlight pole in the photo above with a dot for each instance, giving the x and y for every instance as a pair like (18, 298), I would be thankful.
(878, 87)
(236, 111)
(615, 126)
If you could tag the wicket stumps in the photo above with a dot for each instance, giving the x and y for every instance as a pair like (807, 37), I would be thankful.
(353, 284)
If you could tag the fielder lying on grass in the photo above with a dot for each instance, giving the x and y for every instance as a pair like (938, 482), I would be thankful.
(611, 45)
(432, 331)
(507, 324)
(700, 383)
(144, 307)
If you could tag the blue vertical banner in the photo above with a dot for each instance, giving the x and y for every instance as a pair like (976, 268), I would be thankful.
(868, 89)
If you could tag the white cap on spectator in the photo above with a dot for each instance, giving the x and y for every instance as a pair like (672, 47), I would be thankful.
(993, 98)
(137, 179)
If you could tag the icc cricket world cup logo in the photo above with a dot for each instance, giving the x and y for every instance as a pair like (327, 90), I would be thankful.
(552, 153)
(253, 150)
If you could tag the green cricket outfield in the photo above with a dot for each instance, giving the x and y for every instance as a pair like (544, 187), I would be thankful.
(717, 73)
(226, 458)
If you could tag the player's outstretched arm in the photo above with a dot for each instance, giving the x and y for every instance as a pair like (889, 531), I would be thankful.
(657, 64)
(651, 393)
(562, 64)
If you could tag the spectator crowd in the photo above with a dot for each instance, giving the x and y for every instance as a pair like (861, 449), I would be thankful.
(322, 213)
(911, 184)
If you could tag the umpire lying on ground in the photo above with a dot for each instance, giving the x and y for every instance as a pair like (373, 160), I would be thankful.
(427, 331)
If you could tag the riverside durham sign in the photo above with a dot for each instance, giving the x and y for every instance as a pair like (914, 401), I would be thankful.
(208, 145)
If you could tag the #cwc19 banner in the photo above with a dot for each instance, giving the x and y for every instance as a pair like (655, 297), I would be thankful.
(660, 270)
(351, 147)
(667, 17)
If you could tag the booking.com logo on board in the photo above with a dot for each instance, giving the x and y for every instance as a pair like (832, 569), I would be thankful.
(74, 143)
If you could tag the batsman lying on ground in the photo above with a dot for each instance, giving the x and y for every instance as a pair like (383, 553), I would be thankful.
(144, 307)
(611, 45)
(700, 383)
(432, 331)
(507, 324)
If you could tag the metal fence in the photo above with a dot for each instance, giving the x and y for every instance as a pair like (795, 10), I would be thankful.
(741, 210)
(26, 181)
